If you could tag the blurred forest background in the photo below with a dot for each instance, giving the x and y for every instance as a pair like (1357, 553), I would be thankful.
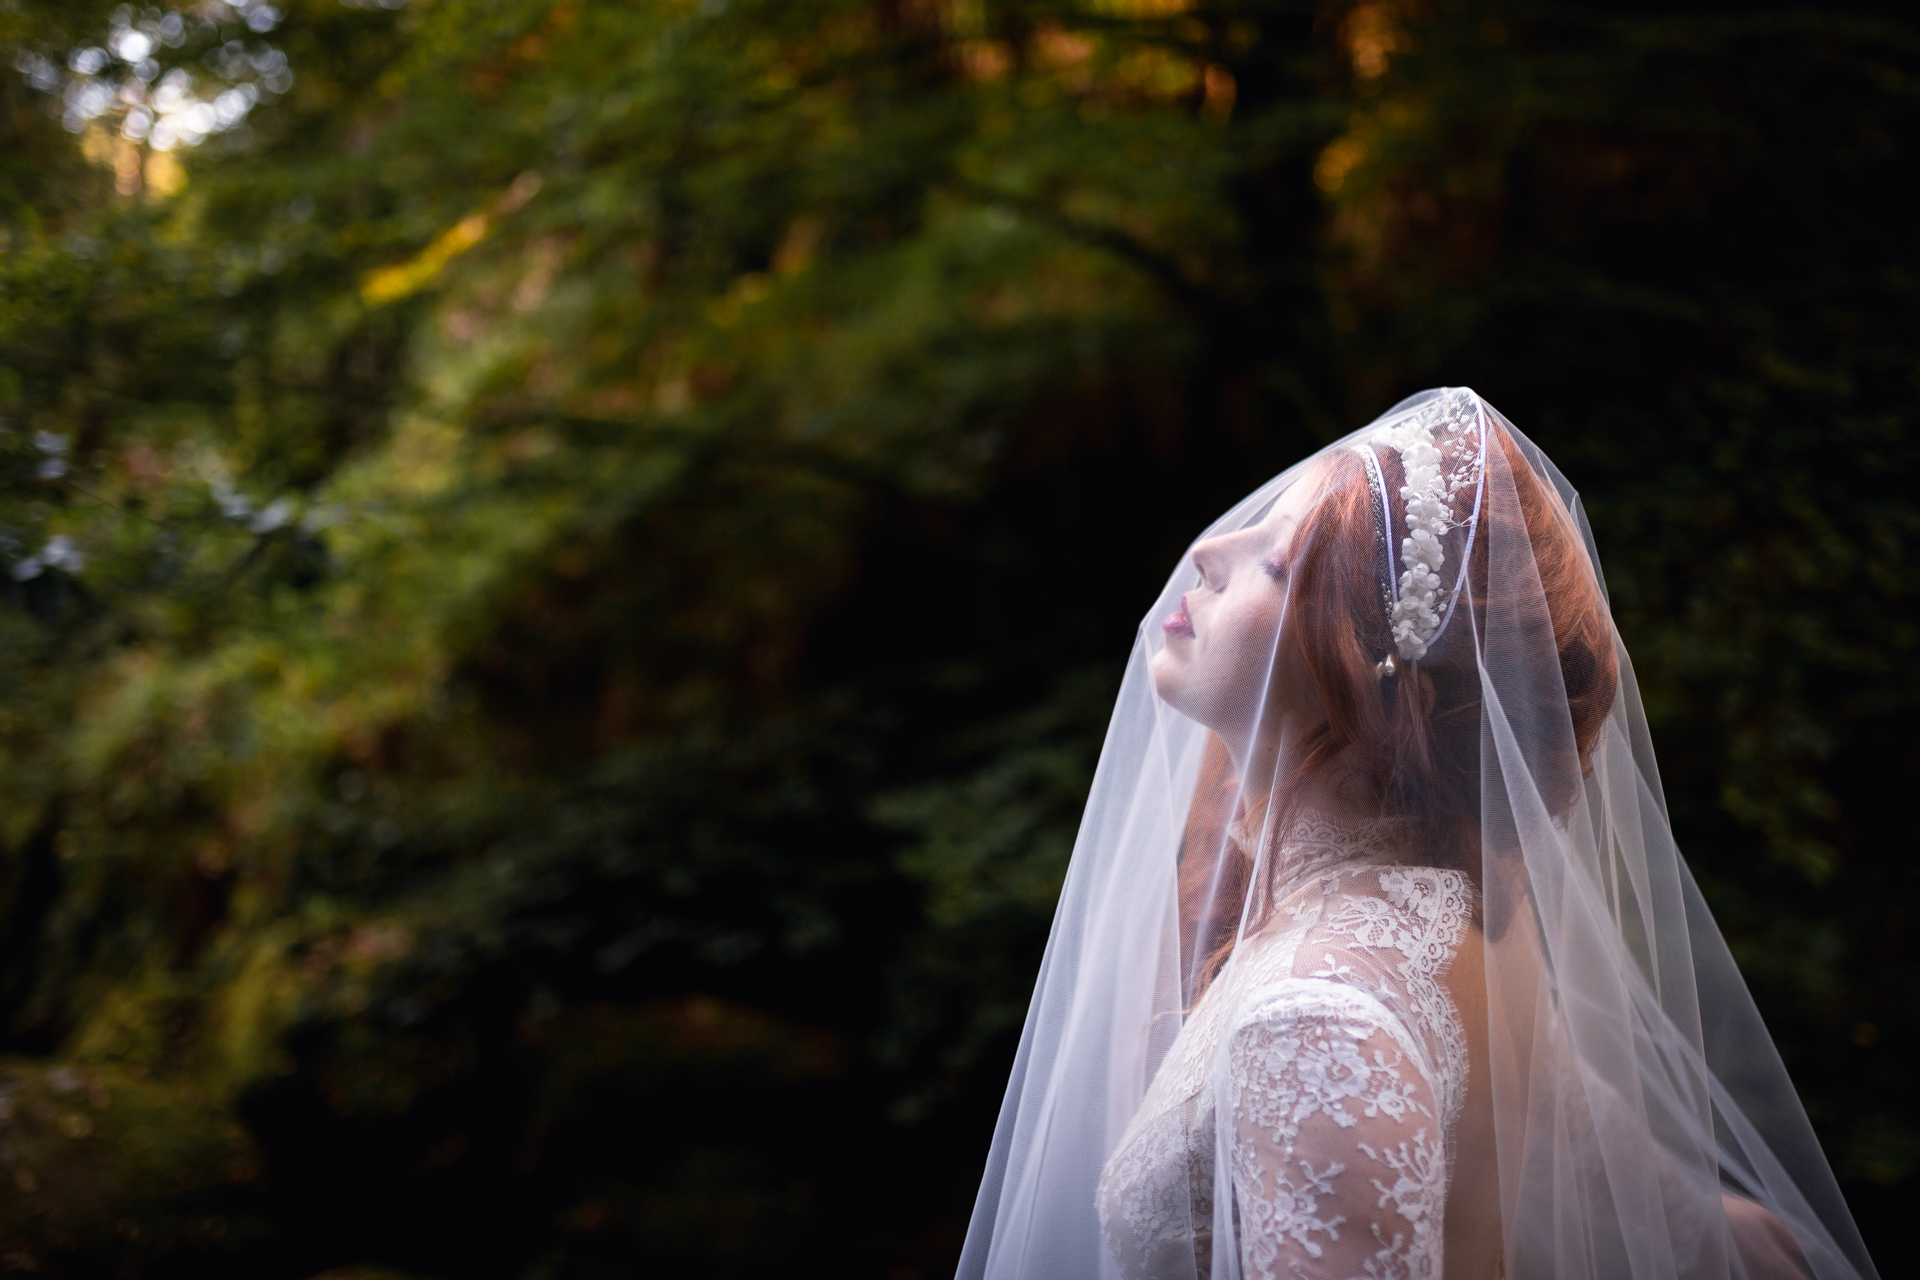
(563, 564)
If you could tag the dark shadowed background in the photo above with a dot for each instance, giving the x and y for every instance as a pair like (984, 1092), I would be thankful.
(563, 564)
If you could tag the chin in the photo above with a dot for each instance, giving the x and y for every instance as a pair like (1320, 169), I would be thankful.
(1174, 683)
(1166, 672)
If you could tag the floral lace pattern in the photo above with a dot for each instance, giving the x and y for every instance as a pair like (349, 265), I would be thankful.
(1332, 1053)
(1315, 845)
(1422, 918)
(1317, 1061)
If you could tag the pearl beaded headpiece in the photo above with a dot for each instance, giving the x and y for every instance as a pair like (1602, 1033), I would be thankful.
(1442, 444)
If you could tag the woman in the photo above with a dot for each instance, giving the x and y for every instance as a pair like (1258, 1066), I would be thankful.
(1376, 957)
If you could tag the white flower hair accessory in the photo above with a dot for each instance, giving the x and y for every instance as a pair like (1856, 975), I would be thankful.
(1442, 444)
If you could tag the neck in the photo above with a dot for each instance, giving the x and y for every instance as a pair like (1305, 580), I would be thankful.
(1331, 792)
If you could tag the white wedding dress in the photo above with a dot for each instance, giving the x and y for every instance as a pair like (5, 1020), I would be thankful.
(1345, 1068)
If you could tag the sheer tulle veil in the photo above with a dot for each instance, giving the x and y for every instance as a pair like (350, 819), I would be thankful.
(1433, 584)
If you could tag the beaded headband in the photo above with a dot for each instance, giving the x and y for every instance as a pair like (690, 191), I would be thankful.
(1443, 450)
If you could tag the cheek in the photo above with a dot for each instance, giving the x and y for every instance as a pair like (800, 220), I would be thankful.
(1229, 666)
(1221, 675)
(1240, 650)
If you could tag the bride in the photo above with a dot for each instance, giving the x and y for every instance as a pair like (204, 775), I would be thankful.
(1376, 957)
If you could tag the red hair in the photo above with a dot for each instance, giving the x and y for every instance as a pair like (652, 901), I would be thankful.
(1411, 742)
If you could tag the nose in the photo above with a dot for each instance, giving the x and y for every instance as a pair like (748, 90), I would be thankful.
(1206, 558)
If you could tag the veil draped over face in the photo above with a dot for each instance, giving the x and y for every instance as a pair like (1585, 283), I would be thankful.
(1376, 955)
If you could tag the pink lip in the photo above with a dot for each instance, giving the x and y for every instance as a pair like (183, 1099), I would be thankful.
(1178, 623)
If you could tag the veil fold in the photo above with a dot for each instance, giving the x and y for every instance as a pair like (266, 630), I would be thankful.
(1620, 1112)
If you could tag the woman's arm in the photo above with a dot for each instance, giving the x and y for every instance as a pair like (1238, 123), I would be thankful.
(1765, 1246)
(1336, 1145)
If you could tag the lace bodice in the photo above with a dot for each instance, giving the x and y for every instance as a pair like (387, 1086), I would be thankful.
(1338, 1063)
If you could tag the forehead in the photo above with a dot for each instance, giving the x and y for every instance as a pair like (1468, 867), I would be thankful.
(1295, 500)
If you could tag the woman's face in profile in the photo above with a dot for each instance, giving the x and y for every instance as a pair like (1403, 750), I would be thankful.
(1218, 661)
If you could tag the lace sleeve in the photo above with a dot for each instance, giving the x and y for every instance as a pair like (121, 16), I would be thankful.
(1337, 1154)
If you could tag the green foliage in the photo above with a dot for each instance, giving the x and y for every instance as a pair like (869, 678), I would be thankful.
(564, 574)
